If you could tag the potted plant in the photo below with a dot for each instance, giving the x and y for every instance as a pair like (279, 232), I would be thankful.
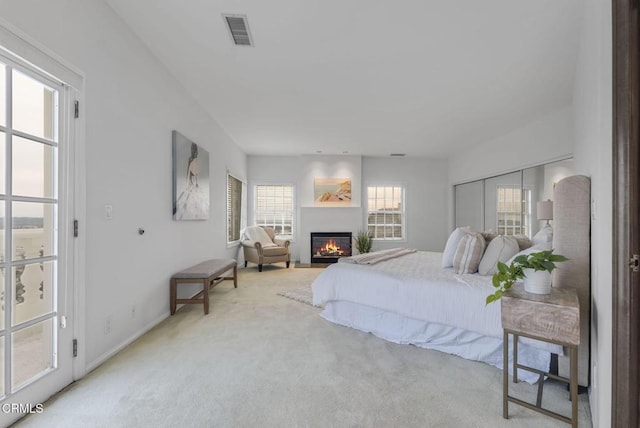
(363, 242)
(534, 268)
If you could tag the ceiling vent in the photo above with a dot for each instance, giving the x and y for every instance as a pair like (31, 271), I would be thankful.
(397, 155)
(239, 29)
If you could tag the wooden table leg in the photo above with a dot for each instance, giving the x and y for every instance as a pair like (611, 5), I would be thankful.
(505, 375)
(235, 276)
(205, 286)
(574, 387)
(173, 291)
(515, 358)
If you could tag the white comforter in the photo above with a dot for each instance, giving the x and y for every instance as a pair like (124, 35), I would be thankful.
(415, 286)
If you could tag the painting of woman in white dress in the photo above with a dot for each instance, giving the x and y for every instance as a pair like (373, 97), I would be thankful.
(190, 179)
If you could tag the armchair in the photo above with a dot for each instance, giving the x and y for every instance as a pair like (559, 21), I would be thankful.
(261, 246)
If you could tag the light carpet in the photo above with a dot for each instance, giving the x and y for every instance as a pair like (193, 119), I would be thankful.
(260, 360)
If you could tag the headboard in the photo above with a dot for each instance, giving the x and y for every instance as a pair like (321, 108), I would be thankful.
(572, 238)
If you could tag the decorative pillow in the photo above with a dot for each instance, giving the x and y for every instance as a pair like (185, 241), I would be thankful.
(469, 253)
(523, 241)
(258, 234)
(488, 236)
(534, 249)
(500, 249)
(452, 245)
(544, 235)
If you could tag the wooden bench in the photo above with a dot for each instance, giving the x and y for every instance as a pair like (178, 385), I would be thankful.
(209, 274)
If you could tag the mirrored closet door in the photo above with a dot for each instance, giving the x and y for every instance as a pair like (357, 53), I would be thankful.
(508, 203)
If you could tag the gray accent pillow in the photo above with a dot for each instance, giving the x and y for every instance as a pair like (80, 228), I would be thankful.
(488, 236)
(523, 241)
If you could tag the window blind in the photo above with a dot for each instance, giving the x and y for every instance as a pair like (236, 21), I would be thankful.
(234, 208)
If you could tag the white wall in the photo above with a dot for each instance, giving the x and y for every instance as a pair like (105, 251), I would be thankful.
(426, 197)
(592, 115)
(541, 141)
(425, 181)
(132, 104)
(312, 167)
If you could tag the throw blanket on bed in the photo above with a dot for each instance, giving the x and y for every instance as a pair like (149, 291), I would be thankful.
(376, 256)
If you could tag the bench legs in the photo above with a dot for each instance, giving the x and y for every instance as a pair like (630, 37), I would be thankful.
(173, 292)
(205, 295)
(235, 276)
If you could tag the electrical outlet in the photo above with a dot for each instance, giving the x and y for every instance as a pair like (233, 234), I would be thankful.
(133, 311)
(107, 325)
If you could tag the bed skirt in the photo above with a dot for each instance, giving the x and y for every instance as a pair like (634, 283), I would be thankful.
(451, 340)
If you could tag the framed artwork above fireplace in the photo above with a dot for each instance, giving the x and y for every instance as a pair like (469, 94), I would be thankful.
(332, 192)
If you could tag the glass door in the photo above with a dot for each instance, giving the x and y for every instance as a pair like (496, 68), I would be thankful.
(33, 294)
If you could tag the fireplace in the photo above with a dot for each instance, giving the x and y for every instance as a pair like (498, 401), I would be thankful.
(328, 247)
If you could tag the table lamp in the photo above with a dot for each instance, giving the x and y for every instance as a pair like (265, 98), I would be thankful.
(545, 210)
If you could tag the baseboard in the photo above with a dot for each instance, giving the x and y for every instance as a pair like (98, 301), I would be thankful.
(128, 341)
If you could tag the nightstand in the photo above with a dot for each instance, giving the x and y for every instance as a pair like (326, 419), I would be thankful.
(553, 318)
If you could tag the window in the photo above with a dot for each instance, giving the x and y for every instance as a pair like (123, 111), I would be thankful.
(274, 208)
(385, 212)
(235, 191)
(514, 210)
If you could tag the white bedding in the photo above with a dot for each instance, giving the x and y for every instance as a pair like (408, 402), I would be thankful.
(415, 286)
(413, 300)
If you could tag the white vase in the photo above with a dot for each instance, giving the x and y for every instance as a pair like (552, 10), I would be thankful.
(537, 281)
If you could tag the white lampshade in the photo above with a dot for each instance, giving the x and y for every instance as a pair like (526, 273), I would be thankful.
(545, 210)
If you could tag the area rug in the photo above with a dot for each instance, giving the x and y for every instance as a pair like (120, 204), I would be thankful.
(302, 294)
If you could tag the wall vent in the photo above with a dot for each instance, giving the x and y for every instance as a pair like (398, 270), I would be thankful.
(239, 29)
(398, 155)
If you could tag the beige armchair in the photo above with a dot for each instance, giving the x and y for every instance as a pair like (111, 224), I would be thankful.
(261, 246)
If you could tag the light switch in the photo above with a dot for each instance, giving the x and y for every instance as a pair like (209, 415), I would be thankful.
(108, 212)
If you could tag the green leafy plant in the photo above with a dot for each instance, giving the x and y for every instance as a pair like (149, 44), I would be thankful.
(363, 242)
(507, 275)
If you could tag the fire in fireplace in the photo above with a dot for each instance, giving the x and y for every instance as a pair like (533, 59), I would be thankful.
(328, 247)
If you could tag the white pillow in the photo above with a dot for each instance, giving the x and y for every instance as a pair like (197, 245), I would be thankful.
(258, 234)
(500, 249)
(544, 235)
(469, 253)
(452, 245)
(534, 249)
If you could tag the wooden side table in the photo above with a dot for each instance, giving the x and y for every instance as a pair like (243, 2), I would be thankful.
(553, 318)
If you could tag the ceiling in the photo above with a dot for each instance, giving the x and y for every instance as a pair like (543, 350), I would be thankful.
(367, 77)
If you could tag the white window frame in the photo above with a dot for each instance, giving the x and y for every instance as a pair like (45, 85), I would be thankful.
(38, 62)
(243, 209)
(291, 237)
(402, 212)
(524, 227)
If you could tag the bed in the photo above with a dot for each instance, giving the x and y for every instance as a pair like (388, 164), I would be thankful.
(413, 300)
